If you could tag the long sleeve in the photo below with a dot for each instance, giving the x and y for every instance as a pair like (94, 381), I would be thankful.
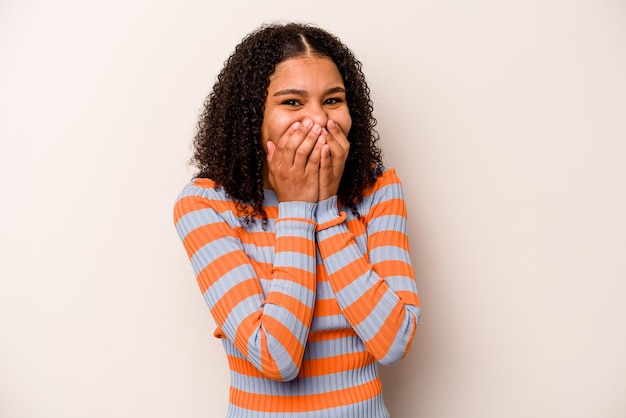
(376, 290)
(270, 329)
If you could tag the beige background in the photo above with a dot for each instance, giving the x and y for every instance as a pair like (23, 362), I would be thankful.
(505, 121)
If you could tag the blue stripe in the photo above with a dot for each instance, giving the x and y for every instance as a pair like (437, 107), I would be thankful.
(387, 223)
(195, 219)
(211, 251)
(222, 285)
(330, 322)
(401, 283)
(324, 291)
(336, 347)
(389, 253)
(295, 259)
(349, 294)
(292, 288)
(293, 228)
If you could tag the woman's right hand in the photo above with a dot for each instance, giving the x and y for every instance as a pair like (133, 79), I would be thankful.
(294, 163)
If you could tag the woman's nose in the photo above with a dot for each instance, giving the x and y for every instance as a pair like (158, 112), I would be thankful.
(318, 115)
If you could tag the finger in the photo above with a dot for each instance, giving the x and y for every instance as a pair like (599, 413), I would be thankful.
(313, 162)
(271, 149)
(334, 128)
(303, 153)
(337, 135)
(293, 138)
(282, 150)
(339, 147)
(325, 160)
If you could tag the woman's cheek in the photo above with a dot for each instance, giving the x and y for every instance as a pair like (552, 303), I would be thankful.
(345, 125)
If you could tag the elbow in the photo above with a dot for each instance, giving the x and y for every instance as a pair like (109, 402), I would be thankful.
(285, 374)
(276, 360)
(395, 354)
(289, 374)
(281, 368)
(399, 348)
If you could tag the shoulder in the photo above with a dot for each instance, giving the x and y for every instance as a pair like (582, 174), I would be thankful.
(202, 193)
(387, 182)
(384, 195)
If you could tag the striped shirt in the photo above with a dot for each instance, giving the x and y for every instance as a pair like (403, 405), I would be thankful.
(307, 306)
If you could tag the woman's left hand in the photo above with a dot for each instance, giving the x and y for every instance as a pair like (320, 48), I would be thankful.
(333, 159)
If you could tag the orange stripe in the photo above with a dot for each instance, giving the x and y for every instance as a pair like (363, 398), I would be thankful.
(305, 403)
(262, 270)
(346, 275)
(203, 235)
(192, 203)
(335, 244)
(335, 364)
(187, 204)
(388, 207)
(393, 268)
(327, 307)
(271, 211)
(356, 226)
(204, 182)
(218, 268)
(243, 366)
(333, 334)
(383, 238)
(258, 238)
(322, 274)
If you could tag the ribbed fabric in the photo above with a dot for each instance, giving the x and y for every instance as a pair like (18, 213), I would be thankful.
(307, 307)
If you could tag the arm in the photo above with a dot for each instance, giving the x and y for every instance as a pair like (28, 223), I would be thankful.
(376, 291)
(269, 331)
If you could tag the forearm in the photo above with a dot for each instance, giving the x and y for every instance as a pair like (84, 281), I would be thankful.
(270, 331)
(376, 291)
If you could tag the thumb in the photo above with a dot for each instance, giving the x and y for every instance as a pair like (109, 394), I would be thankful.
(270, 150)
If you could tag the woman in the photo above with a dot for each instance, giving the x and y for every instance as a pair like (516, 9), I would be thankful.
(296, 232)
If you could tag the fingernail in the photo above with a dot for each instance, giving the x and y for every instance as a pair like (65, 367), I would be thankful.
(316, 129)
(307, 123)
(296, 125)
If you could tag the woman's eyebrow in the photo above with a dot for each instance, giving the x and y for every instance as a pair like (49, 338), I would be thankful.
(298, 92)
(337, 89)
(287, 92)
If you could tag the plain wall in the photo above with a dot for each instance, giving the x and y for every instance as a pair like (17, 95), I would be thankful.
(505, 121)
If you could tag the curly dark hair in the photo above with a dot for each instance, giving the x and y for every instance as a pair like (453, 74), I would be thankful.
(227, 146)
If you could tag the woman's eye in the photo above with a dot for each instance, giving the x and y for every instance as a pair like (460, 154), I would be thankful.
(332, 101)
(291, 102)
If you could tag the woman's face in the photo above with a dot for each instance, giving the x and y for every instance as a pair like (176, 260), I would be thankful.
(301, 88)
